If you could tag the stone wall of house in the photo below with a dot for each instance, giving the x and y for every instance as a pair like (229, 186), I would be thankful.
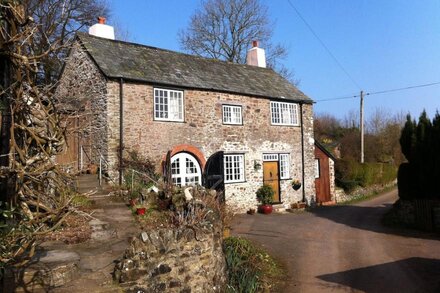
(173, 260)
(82, 92)
(203, 129)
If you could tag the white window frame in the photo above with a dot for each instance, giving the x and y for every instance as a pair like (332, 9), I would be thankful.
(235, 116)
(270, 157)
(283, 113)
(184, 174)
(171, 100)
(284, 166)
(233, 173)
(317, 168)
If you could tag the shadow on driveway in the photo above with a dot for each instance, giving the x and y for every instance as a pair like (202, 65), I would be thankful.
(392, 277)
(367, 218)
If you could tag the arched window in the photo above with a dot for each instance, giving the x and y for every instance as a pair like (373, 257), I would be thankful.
(185, 170)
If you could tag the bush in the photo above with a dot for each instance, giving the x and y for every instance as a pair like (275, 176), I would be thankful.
(265, 194)
(250, 269)
(420, 143)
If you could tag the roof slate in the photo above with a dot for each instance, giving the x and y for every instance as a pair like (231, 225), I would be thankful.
(118, 59)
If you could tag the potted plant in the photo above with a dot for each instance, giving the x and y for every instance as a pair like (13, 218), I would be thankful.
(140, 210)
(296, 184)
(265, 197)
(133, 202)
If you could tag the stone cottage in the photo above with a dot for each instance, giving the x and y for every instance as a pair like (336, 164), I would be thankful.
(225, 124)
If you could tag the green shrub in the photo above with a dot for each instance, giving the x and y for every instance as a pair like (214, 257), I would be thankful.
(250, 269)
(350, 174)
(265, 194)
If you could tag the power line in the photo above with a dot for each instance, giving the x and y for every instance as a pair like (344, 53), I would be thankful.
(323, 45)
(381, 92)
(403, 88)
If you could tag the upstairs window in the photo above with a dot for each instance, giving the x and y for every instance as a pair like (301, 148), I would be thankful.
(168, 105)
(284, 113)
(232, 115)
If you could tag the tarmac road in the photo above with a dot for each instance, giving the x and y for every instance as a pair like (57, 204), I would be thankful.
(346, 249)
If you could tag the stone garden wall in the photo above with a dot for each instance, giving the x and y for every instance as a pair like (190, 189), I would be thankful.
(174, 260)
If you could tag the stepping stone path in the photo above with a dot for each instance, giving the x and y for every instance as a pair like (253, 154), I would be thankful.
(88, 266)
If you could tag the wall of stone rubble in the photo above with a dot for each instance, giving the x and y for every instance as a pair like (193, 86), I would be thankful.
(174, 260)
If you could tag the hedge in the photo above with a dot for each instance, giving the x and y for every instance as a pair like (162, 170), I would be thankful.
(350, 174)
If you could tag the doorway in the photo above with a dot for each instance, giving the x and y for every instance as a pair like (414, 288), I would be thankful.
(271, 177)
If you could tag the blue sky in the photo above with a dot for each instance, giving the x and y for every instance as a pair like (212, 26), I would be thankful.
(381, 44)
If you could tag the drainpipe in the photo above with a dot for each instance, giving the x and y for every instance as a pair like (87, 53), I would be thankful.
(302, 152)
(121, 126)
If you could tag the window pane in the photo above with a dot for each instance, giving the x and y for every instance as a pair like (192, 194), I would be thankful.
(232, 114)
(234, 168)
(284, 166)
(284, 113)
(168, 105)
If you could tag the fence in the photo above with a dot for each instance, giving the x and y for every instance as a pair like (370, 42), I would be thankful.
(427, 214)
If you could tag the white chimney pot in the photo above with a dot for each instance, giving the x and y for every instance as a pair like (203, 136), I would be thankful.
(102, 30)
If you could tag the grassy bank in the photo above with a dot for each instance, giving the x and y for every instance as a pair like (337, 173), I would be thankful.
(251, 268)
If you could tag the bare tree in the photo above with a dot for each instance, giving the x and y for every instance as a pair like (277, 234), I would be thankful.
(351, 119)
(58, 21)
(224, 29)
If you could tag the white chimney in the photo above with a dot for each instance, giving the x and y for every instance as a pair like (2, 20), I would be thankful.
(102, 30)
(256, 56)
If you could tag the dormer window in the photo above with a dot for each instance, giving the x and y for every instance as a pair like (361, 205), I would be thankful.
(168, 105)
(283, 113)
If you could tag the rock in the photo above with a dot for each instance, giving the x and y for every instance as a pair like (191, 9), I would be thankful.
(144, 236)
(188, 195)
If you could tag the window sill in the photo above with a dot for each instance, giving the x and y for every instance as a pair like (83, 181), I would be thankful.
(168, 121)
(234, 182)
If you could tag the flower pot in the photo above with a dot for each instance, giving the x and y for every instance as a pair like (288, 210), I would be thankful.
(265, 209)
(296, 186)
(226, 232)
(298, 205)
(133, 202)
(92, 169)
(140, 211)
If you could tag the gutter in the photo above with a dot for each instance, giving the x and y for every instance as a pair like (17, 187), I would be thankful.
(302, 153)
(121, 127)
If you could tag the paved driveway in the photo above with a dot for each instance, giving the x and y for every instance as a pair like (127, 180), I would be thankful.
(346, 249)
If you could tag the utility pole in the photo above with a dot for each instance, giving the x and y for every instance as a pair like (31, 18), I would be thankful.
(362, 126)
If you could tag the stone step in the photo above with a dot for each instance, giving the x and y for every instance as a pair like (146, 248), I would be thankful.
(48, 269)
(279, 208)
(87, 183)
(101, 230)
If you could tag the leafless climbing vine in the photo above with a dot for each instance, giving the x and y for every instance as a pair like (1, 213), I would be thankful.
(34, 197)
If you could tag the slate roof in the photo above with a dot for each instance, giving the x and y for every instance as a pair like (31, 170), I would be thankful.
(131, 61)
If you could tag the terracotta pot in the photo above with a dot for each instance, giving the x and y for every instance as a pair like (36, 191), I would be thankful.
(133, 202)
(296, 186)
(265, 209)
(140, 211)
(93, 169)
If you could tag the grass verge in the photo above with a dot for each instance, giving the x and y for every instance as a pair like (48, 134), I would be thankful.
(370, 195)
(251, 268)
